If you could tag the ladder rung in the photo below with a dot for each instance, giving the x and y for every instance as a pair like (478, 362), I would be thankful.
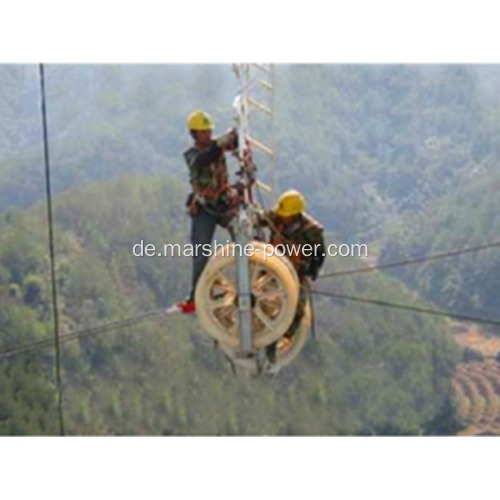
(266, 84)
(262, 67)
(263, 186)
(260, 106)
(259, 145)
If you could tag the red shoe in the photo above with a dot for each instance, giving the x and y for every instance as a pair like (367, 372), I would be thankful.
(187, 306)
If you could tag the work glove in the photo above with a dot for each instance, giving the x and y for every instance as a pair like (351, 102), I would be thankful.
(229, 140)
(311, 269)
(260, 214)
(314, 274)
(230, 199)
(233, 198)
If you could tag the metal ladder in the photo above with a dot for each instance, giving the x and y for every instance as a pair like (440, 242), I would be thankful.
(255, 97)
(257, 85)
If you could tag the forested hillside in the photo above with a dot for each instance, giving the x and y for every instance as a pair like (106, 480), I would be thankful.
(401, 157)
(466, 283)
(369, 371)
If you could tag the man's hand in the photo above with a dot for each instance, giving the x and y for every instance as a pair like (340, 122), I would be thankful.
(232, 198)
(311, 269)
(229, 140)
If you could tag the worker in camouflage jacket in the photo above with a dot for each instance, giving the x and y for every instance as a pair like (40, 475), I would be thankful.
(292, 227)
(212, 200)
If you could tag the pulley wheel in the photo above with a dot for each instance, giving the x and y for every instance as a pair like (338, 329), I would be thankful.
(286, 350)
(274, 288)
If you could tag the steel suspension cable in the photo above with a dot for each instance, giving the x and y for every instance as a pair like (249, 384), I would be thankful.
(417, 309)
(87, 332)
(55, 306)
(416, 260)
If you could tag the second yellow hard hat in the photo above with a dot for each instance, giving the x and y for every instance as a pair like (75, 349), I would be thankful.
(290, 203)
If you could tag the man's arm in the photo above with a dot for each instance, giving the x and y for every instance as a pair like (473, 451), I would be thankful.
(315, 237)
(226, 142)
(198, 159)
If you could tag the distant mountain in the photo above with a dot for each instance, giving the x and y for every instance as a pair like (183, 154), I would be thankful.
(366, 143)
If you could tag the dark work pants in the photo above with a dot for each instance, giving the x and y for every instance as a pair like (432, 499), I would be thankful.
(299, 314)
(203, 226)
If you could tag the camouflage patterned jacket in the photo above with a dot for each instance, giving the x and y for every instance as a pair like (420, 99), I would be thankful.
(207, 170)
(302, 230)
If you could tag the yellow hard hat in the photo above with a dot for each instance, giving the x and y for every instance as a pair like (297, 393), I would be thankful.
(199, 120)
(290, 203)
